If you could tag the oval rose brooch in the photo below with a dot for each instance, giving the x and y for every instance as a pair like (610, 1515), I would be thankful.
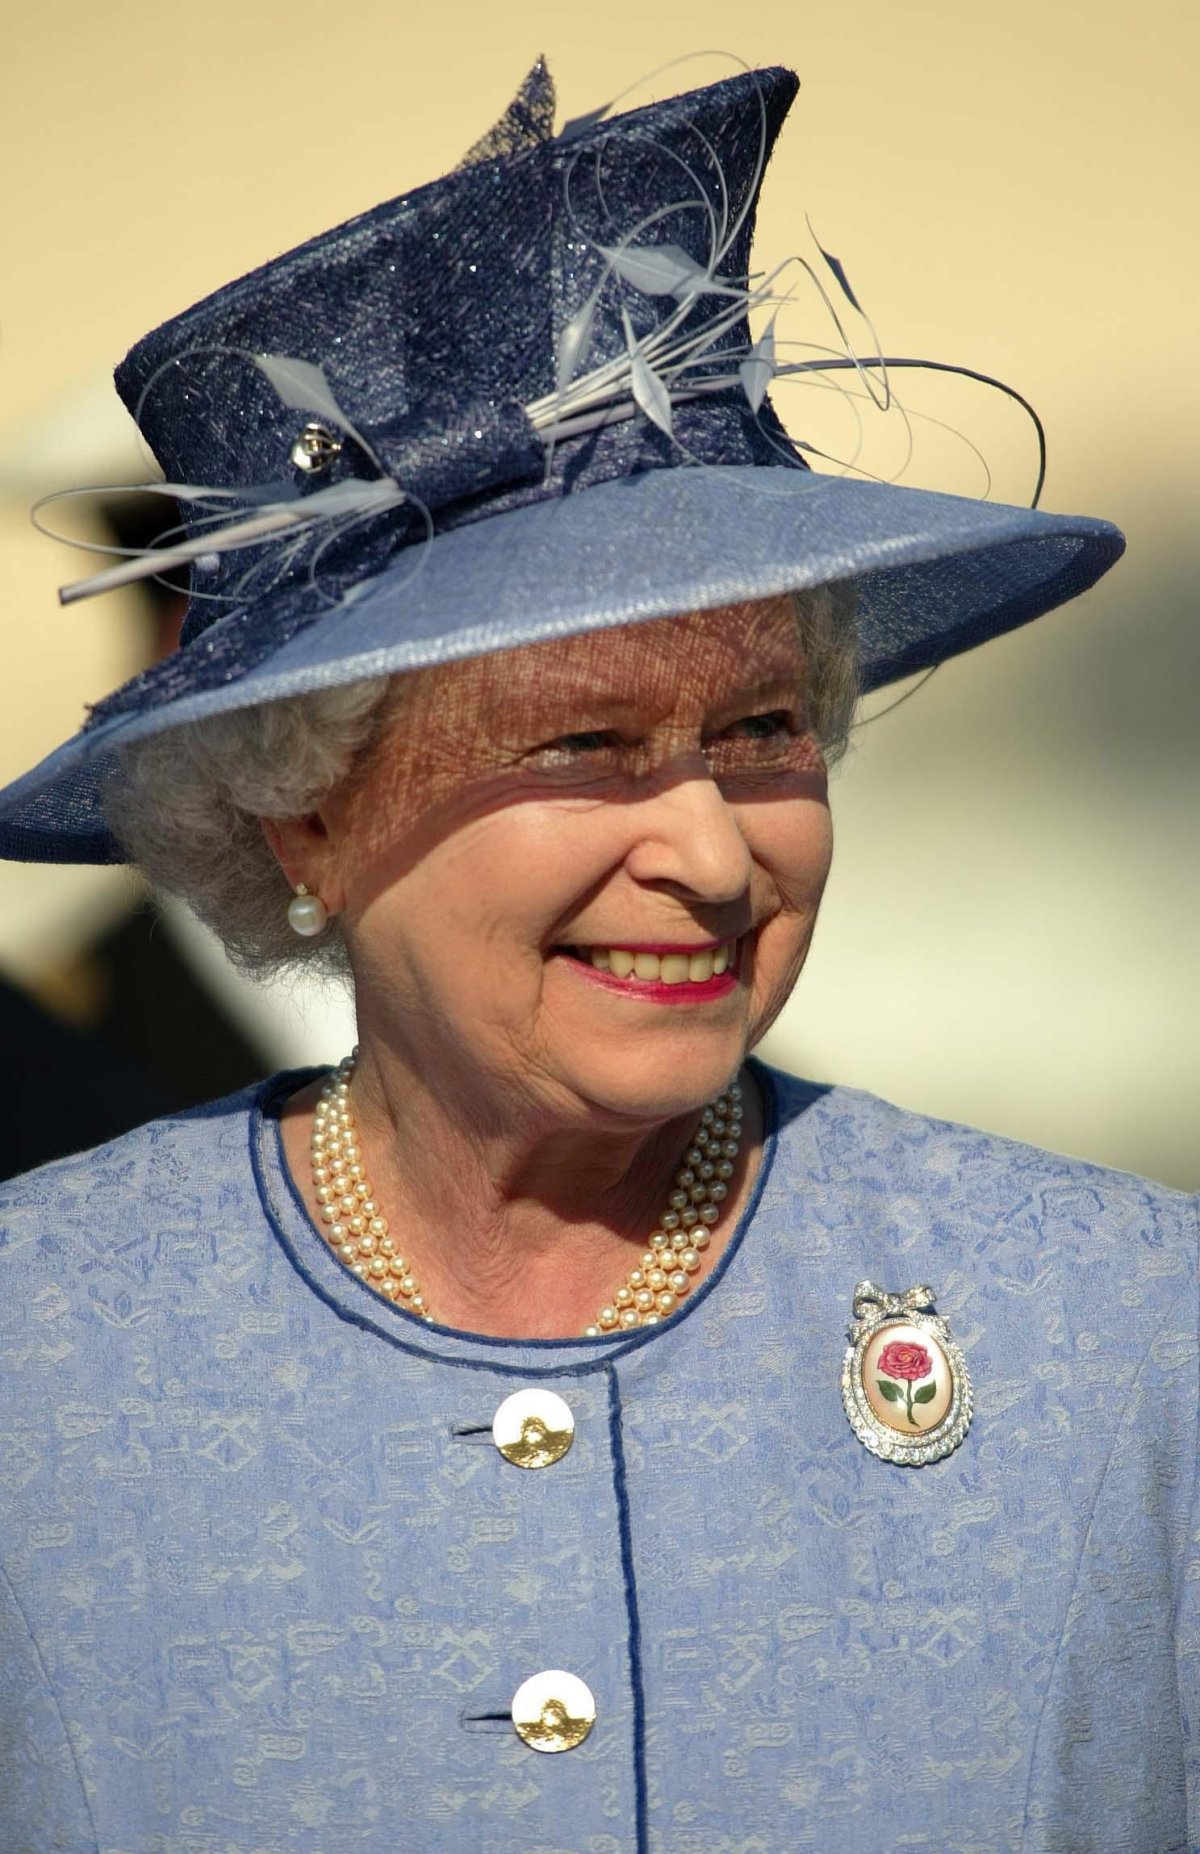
(905, 1383)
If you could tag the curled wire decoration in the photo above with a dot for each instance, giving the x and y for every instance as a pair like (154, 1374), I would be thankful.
(679, 358)
(673, 363)
(274, 516)
(686, 329)
(326, 513)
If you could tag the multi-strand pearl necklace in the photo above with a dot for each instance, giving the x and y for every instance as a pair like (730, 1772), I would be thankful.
(358, 1230)
(355, 1225)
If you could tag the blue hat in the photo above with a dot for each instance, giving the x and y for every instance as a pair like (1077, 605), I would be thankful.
(519, 403)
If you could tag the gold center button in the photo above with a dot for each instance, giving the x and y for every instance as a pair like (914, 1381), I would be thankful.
(553, 1711)
(532, 1429)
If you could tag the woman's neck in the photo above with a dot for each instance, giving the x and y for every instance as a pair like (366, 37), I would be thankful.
(518, 1226)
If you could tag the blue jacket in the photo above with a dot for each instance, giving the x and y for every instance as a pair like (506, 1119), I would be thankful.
(266, 1584)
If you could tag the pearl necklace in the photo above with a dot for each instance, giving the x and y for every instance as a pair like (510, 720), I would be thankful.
(358, 1232)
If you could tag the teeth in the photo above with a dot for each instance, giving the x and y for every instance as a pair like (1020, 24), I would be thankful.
(665, 968)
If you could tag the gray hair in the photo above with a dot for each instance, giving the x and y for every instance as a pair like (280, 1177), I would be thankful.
(186, 805)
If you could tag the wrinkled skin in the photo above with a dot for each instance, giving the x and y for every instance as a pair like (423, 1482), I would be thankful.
(655, 784)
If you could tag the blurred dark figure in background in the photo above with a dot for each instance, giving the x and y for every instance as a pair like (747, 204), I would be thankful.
(127, 1030)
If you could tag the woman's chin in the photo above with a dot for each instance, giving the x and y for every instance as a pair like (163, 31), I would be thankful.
(640, 1081)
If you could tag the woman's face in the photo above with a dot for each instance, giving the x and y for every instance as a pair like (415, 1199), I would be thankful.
(537, 822)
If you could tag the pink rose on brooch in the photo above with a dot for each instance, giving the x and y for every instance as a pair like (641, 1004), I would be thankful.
(909, 1363)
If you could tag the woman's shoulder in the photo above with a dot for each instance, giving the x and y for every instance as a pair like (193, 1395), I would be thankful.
(1053, 1265)
(133, 1176)
(135, 1246)
(844, 1137)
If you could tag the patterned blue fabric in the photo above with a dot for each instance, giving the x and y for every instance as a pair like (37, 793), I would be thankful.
(267, 1584)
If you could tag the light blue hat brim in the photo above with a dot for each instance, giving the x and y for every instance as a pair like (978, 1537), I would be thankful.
(935, 575)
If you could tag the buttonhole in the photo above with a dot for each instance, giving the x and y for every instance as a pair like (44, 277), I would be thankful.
(485, 1721)
(470, 1432)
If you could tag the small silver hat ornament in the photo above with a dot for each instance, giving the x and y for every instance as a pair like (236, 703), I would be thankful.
(905, 1382)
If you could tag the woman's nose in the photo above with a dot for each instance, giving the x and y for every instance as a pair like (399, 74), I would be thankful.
(690, 837)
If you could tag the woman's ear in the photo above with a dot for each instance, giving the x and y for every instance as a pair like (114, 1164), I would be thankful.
(302, 848)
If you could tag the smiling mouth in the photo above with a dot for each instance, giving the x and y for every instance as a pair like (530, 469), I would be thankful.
(672, 967)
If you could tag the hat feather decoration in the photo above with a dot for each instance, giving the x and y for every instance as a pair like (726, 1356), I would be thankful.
(533, 398)
(679, 357)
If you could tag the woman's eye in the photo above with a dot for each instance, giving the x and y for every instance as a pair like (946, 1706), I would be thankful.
(594, 742)
(585, 751)
(761, 727)
(764, 745)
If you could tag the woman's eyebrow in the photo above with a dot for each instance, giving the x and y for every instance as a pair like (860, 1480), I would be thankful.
(596, 709)
(775, 679)
(778, 688)
(572, 713)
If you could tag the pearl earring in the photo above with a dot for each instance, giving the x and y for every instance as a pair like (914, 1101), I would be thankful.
(307, 914)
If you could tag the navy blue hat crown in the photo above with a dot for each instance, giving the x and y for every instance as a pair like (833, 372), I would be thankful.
(522, 402)
(437, 318)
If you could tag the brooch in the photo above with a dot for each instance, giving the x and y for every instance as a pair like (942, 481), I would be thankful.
(905, 1383)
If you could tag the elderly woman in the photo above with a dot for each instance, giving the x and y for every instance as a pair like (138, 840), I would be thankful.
(373, 1435)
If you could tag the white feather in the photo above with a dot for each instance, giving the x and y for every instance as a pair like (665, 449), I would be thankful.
(649, 391)
(574, 342)
(758, 369)
(657, 270)
(303, 385)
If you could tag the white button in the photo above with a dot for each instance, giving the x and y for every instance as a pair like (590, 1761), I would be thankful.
(533, 1428)
(553, 1711)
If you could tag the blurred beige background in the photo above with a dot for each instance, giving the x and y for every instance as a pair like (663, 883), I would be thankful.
(1009, 937)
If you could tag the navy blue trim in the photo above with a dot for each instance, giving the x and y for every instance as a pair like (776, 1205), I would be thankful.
(629, 1579)
(611, 1346)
